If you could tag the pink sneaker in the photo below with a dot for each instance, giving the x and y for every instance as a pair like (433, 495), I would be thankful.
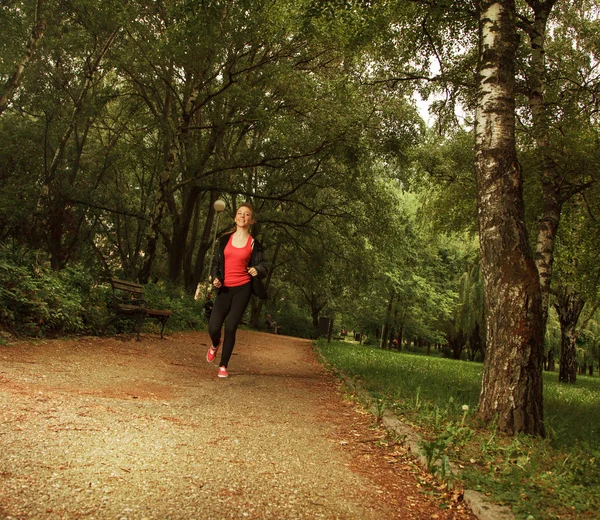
(223, 372)
(212, 352)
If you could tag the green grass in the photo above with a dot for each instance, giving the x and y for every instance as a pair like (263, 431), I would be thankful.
(555, 477)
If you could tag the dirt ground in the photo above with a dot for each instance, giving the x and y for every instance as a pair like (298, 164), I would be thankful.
(113, 428)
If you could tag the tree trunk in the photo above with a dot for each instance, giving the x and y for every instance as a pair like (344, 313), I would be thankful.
(568, 307)
(188, 261)
(51, 202)
(388, 316)
(63, 226)
(55, 222)
(163, 199)
(156, 220)
(180, 243)
(552, 201)
(550, 362)
(512, 380)
(475, 342)
(203, 247)
(163, 192)
(315, 309)
(456, 342)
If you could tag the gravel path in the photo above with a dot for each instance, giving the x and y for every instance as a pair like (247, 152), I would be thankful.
(112, 428)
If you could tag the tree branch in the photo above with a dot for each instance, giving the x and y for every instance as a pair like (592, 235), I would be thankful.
(39, 27)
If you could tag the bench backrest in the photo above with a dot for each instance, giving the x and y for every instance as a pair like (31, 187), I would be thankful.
(124, 285)
(129, 293)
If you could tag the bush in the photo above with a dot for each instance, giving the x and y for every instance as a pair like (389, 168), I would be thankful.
(188, 314)
(35, 300)
(294, 321)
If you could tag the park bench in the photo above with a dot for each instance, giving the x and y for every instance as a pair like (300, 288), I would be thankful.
(128, 299)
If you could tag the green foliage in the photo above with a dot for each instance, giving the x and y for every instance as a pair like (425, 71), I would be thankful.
(552, 339)
(37, 301)
(188, 314)
(297, 324)
(408, 274)
(442, 170)
(293, 319)
(557, 477)
(34, 299)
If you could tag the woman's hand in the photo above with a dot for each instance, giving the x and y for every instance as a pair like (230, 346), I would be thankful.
(217, 283)
(252, 271)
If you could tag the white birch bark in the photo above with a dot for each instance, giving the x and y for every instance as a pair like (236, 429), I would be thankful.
(552, 200)
(512, 381)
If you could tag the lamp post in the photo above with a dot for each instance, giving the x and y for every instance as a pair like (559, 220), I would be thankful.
(219, 206)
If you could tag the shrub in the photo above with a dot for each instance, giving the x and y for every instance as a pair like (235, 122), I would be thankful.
(33, 298)
(188, 314)
(293, 321)
(37, 301)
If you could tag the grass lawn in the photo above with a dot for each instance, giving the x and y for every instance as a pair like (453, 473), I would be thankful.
(553, 478)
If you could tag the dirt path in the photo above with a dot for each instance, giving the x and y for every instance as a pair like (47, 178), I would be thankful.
(112, 428)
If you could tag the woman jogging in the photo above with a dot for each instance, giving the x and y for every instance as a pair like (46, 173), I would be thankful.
(238, 264)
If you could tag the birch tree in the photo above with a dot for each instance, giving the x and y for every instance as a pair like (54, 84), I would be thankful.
(577, 276)
(512, 381)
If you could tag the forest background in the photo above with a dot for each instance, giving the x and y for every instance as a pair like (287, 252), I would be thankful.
(122, 123)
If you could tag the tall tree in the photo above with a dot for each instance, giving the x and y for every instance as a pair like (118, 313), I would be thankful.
(576, 297)
(546, 88)
(512, 381)
(552, 199)
(253, 108)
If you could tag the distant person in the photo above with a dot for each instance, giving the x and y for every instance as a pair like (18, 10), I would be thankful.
(237, 267)
(208, 305)
(272, 324)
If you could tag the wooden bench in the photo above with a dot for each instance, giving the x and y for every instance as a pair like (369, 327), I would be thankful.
(128, 299)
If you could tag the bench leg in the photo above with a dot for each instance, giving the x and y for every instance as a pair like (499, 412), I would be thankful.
(139, 322)
(163, 322)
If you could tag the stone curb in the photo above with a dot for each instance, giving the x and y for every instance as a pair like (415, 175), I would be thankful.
(481, 507)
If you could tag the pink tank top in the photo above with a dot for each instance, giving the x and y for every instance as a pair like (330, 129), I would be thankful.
(237, 260)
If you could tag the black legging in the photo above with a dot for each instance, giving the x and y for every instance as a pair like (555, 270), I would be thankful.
(230, 301)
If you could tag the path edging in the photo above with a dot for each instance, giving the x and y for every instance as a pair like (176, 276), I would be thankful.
(481, 507)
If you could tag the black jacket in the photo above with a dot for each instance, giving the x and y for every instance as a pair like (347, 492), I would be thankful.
(257, 261)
